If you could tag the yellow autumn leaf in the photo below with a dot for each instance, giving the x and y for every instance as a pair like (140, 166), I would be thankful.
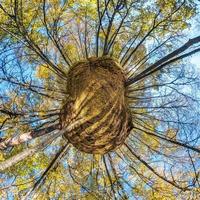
(171, 133)
(42, 72)
(2, 119)
(2, 157)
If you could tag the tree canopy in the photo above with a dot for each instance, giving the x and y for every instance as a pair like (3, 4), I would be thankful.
(42, 41)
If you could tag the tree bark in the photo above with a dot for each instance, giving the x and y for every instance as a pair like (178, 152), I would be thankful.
(28, 152)
(161, 62)
(19, 139)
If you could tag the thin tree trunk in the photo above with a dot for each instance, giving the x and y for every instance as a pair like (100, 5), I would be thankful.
(51, 166)
(29, 152)
(154, 67)
(19, 139)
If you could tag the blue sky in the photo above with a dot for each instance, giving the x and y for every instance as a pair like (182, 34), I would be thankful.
(195, 59)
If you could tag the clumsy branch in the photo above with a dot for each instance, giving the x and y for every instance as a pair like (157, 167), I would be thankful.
(171, 57)
(29, 152)
(51, 166)
(185, 145)
(109, 177)
(151, 169)
(19, 139)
